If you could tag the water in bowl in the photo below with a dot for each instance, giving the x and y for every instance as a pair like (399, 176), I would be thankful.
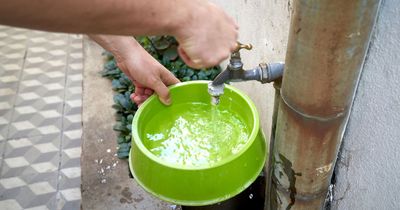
(195, 134)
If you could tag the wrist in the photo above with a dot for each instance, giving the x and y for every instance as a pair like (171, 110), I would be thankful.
(122, 47)
(181, 18)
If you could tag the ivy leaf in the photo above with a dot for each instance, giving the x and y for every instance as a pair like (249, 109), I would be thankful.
(202, 75)
(189, 72)
(116, 84)
(118, 116)
(114, 73)
(119, 126)
(110, 65)
(125, 81)
(120, 140)
(123, 155)
(130, 118)
(125, 103)
(124, 147)
(129, 127)
(160, 43)
(117, 107)
(171, 53)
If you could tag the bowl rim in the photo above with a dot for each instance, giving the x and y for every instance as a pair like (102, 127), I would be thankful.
(137, 140)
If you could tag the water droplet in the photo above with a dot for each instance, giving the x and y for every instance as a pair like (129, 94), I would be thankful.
(251, 196)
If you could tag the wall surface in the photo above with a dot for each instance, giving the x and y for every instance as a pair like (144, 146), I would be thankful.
(368, 170)
(264, 24)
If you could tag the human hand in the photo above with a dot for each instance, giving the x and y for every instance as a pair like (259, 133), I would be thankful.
(207, 37)
(141, 68)
(147, 74)
(141, 93)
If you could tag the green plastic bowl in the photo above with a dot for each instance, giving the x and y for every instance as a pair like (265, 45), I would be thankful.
(190, 185)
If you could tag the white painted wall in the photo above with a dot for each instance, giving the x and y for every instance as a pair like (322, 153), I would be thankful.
(368, 172)
(369, 166)
(264, 24)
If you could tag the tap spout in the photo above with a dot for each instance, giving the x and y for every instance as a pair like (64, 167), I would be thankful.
(221, 78)
(263, 73)
(235, 73)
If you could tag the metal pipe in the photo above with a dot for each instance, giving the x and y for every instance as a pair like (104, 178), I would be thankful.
(268, 174)
(221, 78)
(328, 41)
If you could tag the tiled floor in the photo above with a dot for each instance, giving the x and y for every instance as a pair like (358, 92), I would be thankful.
(40, 119)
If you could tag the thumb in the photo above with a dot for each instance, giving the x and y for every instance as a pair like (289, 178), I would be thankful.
(160, 86)
(168, 78)
(162, 92)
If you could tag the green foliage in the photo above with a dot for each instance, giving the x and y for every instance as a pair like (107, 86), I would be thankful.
(162, 48)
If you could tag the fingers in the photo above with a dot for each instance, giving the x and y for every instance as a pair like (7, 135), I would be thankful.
(168, 78)
(141, 93)
(139, 90)
(138, 99)
(185, 57)
(205, 42)
(211, 60)
(148, 92)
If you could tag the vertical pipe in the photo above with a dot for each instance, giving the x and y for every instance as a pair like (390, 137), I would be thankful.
(328, 41)
(268, 175)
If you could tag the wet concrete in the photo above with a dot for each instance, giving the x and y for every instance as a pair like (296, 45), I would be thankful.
(105, 178)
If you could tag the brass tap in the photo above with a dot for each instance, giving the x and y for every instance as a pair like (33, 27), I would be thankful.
(243, 46)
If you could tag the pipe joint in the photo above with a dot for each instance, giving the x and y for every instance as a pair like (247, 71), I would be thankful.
(271, 71)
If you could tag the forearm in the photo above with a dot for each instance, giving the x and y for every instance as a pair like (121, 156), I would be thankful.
(119, 46)
(122, 17)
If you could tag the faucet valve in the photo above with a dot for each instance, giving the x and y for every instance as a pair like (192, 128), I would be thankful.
(235, 62)
(235, 73)
(243, 46)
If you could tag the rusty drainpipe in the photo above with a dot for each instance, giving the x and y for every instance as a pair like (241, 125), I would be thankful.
(268, 173)
(328, 41)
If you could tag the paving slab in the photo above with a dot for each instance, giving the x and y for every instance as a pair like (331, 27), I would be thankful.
(39, 156)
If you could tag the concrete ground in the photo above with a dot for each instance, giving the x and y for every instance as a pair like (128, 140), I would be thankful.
(105, 178)
(40, 119)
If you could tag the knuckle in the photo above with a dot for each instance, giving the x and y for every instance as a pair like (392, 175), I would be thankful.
(151, 81)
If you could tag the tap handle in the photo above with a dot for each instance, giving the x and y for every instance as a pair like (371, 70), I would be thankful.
(242, 46)
(235, 62)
